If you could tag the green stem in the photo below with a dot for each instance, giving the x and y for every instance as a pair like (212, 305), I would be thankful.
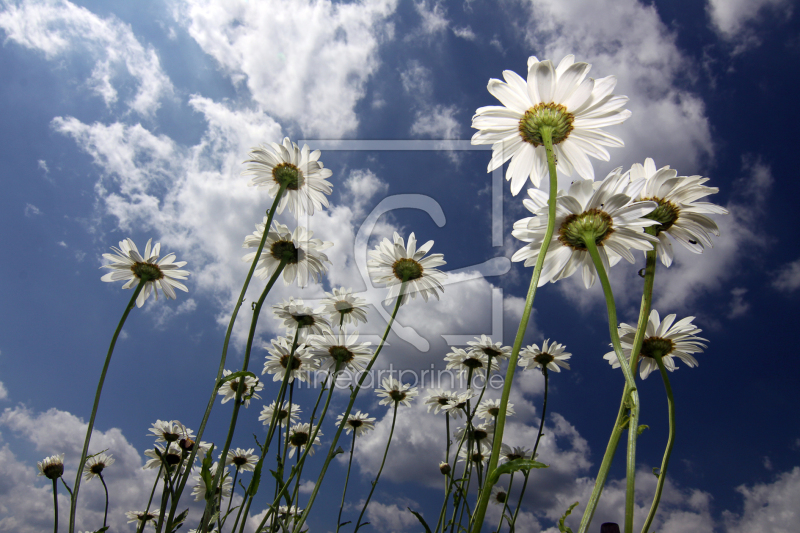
(74, 500)
(223, 358)
(662, 475)
(353, 395)
(505, 505)
(105, 514)
(480, 510)
(378, 477)
(55, 503)
(346, 481)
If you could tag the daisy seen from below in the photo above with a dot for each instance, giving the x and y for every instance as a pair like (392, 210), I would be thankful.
(331, 349)
(393, 263)
(51, 467)
(302, 255)
(199, 490)
(141, 517)
(278, 360)
(482, 434)
(286, 415)
(552, 356)
(499, 495)
(172, 455)
(666, 339)
(564, 100)
(229, 388)
(298, 169)
(296, 315)
(170, 431)
(439, 400)
(358, 422)
(600, 211)
(95, 465)
(299, 438)
(458, 406)
(494, 350)
(344, 308)
(678, 214)
(488, 409)
(128, 265)
(463, 361)
(507, 453)
(478, 456)
(394, 392)
(242, 459)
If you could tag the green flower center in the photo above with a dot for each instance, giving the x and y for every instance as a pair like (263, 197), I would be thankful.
(479, 434)
(407, 269)
(289, 175)
(494, 411)
(285, 251)
(543, 358)
(340, 354)
(298, 439)
(442, 400)
(500, 497)
(146, 271)
(397, 395)
(54, 471)
(592, 224)
(304, 321)
(355, 423)
(96, 468)
(491, 352)
(653, 346)
(170, 437)
(553, 116)
(295, 362)
(344, 307)
(472, 363)
(665, 214)
(512, 456)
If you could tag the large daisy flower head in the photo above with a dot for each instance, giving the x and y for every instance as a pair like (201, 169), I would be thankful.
(297, 315)
(277, 362)
(298, 168)
(551, 356)
(171, 454)
(666, 339)
(394, 392)
(129, 265)
(302, 255)
(344, 308)
(242, 459)
(51, 467)
(287, 413)
(340, 349)
(600, 211)
(489, 409)
(229, 388)
(300, 437)
(563, 100)
(358, 422)
(95, 465)
(393, 263)
(170, 431)
(494, 350)
(678, 214)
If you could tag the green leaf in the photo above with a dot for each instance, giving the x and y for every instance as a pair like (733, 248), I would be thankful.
(422, 520)
(640, 429)
(513, 466)
(561, 526)
(179, 521)
(205, 473)
(656, 471)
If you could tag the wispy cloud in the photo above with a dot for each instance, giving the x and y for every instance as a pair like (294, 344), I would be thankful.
(735, 20)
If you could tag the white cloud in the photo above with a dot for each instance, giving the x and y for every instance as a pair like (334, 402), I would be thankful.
(768, 507)
(738, 306)
(434, 18)
(465, 33)
(788, 277)
(60, 27)
(32, 210)
(437, 122)
(318, 58)
(361, 186)
(392, 518)
(43, 165)
(733, 19)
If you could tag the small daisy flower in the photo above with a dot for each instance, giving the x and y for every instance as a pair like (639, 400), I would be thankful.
(507, 453)
(358, 422)
(330, 349)
(562, 98)
(488, 409)
(298, 168)
(299, 437)
(285, 414)
(439, 400)
(95, 465)
(551, 356)
(172, 455)
(199, 490)
(393, 263)
(458, 406)
(141, 517)
(477, 456)
(187, 445)
(482, 434)
(667, 339)
(127, 264)
(285, 512)
(278, 360)
(678, 214)
(499, 495)
(463, 361)
(295, 314)
(302, 255)
(344, 308)
(170, 431)
(51, 467)
(601, 211)
(394, 392)
(229, 388)
(494, 350)
(242, 459)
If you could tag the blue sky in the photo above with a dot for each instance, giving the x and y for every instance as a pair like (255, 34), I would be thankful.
(126, 119)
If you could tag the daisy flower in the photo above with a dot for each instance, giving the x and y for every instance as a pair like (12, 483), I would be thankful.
(278, 359)
(439, 400)
(299, 437)
(330, 349)
(285, 414)
(345, 308)
(478, 456)
(395, 392)
(295, 314)
(242, 459)
(229, 388)
(575, 108)
(170, 431)
(551, 356)
(303, 255)
(678, 213)
(494, 350)
(95, 465)
(199, 490)
(128, 264)
(358, 422)
(507, 453)
(499, 495)
(51, 467)
(141, 517)
(464, 361)
(285, 512)
(458, 405)
(299, 168)
(667, 339)
(482, 433)
(589, 210)
(488, 409)
(394, 263)
(172, 455)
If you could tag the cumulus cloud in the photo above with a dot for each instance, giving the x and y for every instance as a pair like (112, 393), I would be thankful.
(738, 306)
(361, 186)
(788, 277)
(433, 19)
(734, 20)
(768, 507)
(305, 62)
(60, 28)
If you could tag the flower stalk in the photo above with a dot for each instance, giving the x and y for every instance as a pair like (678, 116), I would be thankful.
(383, 462)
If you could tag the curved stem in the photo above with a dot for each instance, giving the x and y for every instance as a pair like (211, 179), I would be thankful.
(378, 477)
(346, 481)
(74, 499)
(105, 514)
(224, 356)
(480, 509)
(662, 475)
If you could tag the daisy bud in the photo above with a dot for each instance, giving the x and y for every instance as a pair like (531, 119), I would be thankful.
(444, 468)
